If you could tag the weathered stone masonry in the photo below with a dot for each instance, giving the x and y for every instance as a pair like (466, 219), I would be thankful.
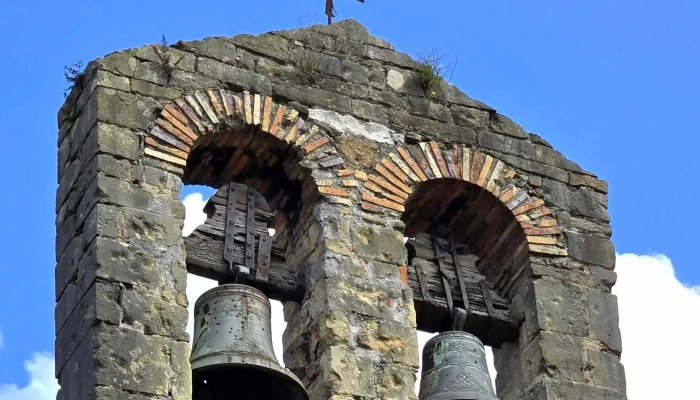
(350, 156)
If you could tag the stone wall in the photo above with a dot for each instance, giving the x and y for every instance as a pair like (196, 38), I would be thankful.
(120, 276)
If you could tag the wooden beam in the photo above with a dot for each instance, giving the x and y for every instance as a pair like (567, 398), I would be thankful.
(432, 312)
(204, 258)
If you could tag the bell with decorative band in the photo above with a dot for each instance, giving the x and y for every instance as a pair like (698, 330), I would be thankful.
(232, 355)
(454, 368)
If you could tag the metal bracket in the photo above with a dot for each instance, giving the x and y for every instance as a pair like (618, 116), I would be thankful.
(441, 269)
(230, 232)
(486, 292)
(423, 283)
(460, 277)
(264, 256)
(240, 273)
(459, 319)
(250, 231)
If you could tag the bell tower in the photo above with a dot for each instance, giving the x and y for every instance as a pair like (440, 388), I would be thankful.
(326, 135)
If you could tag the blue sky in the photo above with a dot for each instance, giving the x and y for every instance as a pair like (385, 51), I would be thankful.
(612, 84)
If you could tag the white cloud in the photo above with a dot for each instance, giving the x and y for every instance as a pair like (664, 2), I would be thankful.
(660, 322)
(42, 384)
(194, 216)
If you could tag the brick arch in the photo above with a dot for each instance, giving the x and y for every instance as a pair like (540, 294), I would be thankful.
(184, 121)
(191, 123)
(396, 178)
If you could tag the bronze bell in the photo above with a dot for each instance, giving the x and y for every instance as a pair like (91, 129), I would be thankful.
(454, 368)
(232, 356)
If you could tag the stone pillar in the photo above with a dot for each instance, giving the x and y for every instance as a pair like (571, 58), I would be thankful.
(354, 335)
(570, 342)
(120, 275)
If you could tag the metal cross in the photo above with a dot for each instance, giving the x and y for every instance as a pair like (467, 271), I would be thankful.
(330, 10)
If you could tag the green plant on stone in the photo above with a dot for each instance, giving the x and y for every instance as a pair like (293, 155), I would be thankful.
(431, 72)
(74, 76)
(166, 57)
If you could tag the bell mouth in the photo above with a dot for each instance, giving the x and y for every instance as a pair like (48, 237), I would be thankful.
(259, 381)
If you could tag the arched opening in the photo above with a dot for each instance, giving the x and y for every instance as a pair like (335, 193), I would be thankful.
(270, 170)
(456, 225)
(470, 216)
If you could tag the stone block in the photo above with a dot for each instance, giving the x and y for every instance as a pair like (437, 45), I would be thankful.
(181, 382)
(65, 306)
(124, 109)
(395, 381)
(370, 301)
(110, 393)
(579, 202)
(394, 342)
(191, 82)
(601, 229)
(591, 249)
(179, 60)
(129, 360)
(100, 304)
(217, 48)
(555, 389)
(587, 180)
(429, 109)
(153, 315)
(605, 370)
(268, 45)
(539, 140)
(509, 379)
(77, 378)
(549, 156)
(354, 72)
(404, 82)
(506, 144)
(111, 139)
(555, 174)
(158, 178)
(604, 320)
(236, 78)
(163, 229)
(386, 98)
(381, 244)
(425, 129)
(346, 372)
(470, 117)
(390, 57)
(347, 28)
(119, 63)
(154, 90)
(116, 261)
(152, 72)
(109, 80)
(64, 233)
(127, 194)
(552, 305)
(368, 111)
(553, 355)
(499, 123)
(67, 264)
(312, 97)
(603, 279)
(85, 121)
(539, 268)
